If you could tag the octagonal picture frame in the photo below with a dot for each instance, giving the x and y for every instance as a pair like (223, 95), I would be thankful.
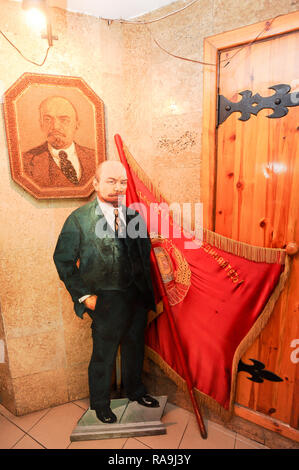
(34, 162)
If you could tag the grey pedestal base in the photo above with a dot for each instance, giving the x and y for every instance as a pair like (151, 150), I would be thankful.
(132, 420)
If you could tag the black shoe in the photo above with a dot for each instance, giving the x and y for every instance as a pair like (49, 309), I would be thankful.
(149, 401)
(105, 415)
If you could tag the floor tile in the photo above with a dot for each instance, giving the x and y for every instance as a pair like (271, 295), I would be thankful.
(133, 443)
(176, 420)
(84, 403)
(244, 443)
(99, 444)
(24, 422)
(27, 443)
(220, 428)
(54, 429)
(9, 434)
(218, 437)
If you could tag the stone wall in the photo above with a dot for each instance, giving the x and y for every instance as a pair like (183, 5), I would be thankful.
(154, 101)
(48, 347)
(163, 100)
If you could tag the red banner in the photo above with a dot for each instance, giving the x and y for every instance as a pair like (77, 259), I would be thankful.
(221, 294)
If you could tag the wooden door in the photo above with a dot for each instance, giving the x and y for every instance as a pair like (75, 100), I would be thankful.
(257, 202)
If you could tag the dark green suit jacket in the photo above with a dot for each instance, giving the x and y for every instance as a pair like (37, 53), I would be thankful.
(78, 240)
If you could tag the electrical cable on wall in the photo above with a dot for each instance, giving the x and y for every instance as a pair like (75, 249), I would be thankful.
(227, 60)
(138, 22)
(110, 20)
(18, 50)
(266, 28)
(132, 22)
(177, 56)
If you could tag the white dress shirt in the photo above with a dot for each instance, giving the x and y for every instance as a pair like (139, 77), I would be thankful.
(108, 211)
(71, 156)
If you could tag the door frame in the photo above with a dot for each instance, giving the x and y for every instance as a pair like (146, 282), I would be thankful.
(213, 45)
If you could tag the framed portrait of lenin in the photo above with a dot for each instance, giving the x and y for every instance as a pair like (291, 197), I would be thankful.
(55, 130)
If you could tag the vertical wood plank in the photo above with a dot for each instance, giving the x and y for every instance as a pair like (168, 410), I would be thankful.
(257, 202)
(208, 169)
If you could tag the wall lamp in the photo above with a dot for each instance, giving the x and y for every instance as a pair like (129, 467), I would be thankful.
(39, 15)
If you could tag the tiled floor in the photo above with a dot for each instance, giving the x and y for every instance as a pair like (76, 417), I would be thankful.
(51, 429)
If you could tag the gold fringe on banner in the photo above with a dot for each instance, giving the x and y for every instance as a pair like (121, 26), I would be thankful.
(201, 397)
(240, 351)
(250, 252)
(258, 326)
(140, 173)
(235, 247)
(244, 250)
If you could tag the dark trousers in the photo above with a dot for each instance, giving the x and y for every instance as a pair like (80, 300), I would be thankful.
(119, 319)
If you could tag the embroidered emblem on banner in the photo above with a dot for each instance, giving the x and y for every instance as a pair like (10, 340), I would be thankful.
(174, 269)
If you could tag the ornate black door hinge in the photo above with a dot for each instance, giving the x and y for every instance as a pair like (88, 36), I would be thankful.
(279, 102)
(258, 372)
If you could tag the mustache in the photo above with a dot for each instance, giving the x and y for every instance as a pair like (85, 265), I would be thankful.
(56, 134)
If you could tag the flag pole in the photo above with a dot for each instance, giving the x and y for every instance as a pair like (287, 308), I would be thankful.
(134, 196)
(179, 348)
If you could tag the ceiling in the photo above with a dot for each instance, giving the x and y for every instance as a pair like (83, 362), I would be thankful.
(112, 9)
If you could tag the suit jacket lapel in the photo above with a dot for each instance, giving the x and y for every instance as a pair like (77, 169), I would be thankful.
(100, 226)
(96, 216)
(132, 243)
(87, 164)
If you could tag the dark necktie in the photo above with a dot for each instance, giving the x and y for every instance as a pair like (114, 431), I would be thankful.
(117, 224)
(67, 168)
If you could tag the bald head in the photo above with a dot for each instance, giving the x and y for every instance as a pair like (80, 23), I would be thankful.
(59, 121)
(110, 182)
(110, 168)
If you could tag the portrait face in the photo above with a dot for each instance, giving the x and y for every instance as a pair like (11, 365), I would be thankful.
(59, 122)
(110, 182)
(48, 113)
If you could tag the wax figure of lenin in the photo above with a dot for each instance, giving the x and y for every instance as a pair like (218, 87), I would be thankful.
(111, 282)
